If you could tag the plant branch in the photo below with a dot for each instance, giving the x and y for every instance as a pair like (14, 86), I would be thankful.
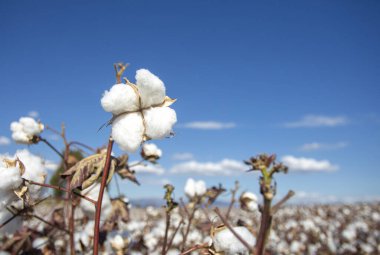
(233, 194)
(265, 225)
(196, 247)
(51, 146)
(280, 203)
(225, 222)
(98, 206)
(174, 234)
(191, 217)
(83, 145)
(167, 214)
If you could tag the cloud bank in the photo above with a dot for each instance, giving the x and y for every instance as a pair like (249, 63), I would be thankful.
(318, 121)
(209, 125)
(223, 167)
(308, 164)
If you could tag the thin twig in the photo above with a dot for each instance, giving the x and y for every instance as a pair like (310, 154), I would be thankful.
(280, 203)
(188, 226)
(233, 194)
(196, 247)
(98, 206)
(50, 224)
(174, 234)
(51, 147)
(225, 222)
(83, 145)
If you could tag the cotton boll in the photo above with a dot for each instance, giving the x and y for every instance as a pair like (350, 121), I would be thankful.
(195, 188)
(151, 88)
(248, 201)
(225, 241)
(34, 170)
(88, 208)
(20, 137)
(127, 131)
(30, 126)
(120, 98)
(159, 122)
(151, 152)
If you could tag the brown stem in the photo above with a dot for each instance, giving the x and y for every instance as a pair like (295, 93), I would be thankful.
(166, 233)
(225, 222)
(233, 191)
(174, 234)
(196, 247)
(51, 146)
(266, 220)
(50, 224)
(282, 201)
(188, 227)
(83, 145)
(61, 189)
(98, 206)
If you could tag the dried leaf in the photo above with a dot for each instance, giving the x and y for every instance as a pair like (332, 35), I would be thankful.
(13, 163)
(87, 171)
(22, 193)
(125, 173)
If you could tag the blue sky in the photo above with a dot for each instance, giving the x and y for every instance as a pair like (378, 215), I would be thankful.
(295, 78)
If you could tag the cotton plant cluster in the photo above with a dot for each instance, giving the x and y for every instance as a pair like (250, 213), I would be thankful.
(140, 111)
(25, 130)
(225, 242)
(13, 170)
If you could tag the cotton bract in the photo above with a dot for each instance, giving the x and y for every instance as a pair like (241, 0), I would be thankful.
(140, 111)
(225, 241)
(25, 129)
(195, 188)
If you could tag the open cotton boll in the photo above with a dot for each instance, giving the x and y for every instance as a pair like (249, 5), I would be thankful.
(150, 149)
(159, 122)
(20, 137)
(151, 88)
(225, 241)
(30, 126)
(34, 170)
(195, 188)
(248, 201)
(88, 208)
(127, 131)
(120, 98)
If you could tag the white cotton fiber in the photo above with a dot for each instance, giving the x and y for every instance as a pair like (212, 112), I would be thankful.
(195, 188)
(150, 149)
(88, 208)
(127, 131)
(34, 170)
(25, 129)
(225, 241)
(151, 88)
(120, 98)
(159, 122)
(10, 178)
(30, 126)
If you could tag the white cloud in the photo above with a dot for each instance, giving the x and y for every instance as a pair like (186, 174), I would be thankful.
(183, 156)
(209, 125)
(223, 167)
(323, 146)
(318, 121)
(33, 114)
(150, 169)
(308, 164)
(4, 141)
(155, 181)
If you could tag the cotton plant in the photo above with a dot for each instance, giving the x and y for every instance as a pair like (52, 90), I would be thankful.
(140, 111)
(26, 130)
